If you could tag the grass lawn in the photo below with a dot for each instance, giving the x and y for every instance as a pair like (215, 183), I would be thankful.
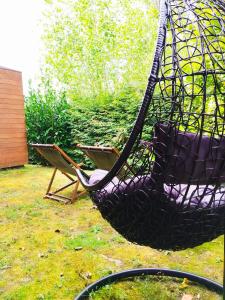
(52, 251)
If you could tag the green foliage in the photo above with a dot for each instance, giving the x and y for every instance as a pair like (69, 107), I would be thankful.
(107, 124)
(48, 120)
(100, 53)
(98, 47)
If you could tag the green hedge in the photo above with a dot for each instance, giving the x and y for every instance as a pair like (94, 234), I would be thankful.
(107, 125)
(48, 121)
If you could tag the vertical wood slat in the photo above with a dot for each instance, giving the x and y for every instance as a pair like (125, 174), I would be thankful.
(13, 150)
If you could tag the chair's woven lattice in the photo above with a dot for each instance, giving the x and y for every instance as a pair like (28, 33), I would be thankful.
(177, 147)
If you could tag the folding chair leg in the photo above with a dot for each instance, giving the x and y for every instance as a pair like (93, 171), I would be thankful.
(54, 194)
(75, 192)
(51, 181)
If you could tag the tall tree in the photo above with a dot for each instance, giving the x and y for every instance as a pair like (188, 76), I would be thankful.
(98, 47)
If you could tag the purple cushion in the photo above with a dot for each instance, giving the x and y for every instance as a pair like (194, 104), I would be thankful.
(126, 186)
(181, 194)
(185, 164)
(196, 196)
(184, 157)
(99, 174)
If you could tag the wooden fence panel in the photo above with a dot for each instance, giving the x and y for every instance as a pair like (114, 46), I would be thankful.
(13, 142)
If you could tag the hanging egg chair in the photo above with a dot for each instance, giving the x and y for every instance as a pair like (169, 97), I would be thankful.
(176, 199)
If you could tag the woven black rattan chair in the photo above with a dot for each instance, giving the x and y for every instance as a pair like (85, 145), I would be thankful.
(176, 199)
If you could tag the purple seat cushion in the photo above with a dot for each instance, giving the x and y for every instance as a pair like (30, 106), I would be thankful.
(116, 185)
(196, 196)
(186, 167)
(191, 196)
(99, 174)
(184, 157)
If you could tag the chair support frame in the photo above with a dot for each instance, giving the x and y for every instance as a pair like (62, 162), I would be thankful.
(54, 195)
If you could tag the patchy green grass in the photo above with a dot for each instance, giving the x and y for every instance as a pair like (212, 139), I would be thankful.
(52, 251)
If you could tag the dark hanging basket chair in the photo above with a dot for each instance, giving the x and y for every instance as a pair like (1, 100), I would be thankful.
(176, 149)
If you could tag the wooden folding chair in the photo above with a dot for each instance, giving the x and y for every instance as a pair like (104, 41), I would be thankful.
(104, 158)
(63, 163)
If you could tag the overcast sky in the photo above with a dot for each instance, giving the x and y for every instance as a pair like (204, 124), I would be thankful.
(20, 36)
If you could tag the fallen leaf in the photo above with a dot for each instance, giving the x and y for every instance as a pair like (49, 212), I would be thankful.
(86, 275)
(42, 255)
(184, 284)
(187, 297)
(78, 248)
(116, 261)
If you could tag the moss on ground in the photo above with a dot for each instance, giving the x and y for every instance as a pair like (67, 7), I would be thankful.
(52, 251)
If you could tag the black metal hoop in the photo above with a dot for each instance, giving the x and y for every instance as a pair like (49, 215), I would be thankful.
(209, 284)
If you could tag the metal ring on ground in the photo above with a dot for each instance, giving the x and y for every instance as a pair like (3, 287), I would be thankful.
(211, 285)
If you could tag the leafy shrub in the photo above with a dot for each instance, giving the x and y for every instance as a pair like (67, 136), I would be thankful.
(107, 124)
(48, 121)
(51, 119)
